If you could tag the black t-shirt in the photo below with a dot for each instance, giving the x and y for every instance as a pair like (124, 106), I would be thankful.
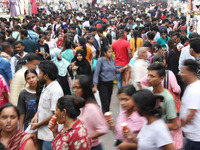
(104, 43)
(27, 105)
(44, 48)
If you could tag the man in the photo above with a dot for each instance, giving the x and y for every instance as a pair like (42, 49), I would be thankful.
(155, 30)
(138, 24)
(5, 70)
(123, 54)
(195, 52)
(18, 83)
(130, 23)
(156, 74)
(6, 51)
(190, 107)
(164, 25)
(19, 47)
(31, 34)
(177, 37)
(58, 25)
(103, 41)
(15, 34)
(185, 53)
(30, 46)
(51, 92)
(86, 23)
(139, 69)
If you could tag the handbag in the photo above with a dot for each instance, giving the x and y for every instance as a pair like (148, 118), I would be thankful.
(175, 96)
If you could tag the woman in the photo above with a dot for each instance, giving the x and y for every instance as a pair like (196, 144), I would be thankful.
(90, 41)
(27, 103)
(95, 121)
(68, 54)
(163, 39)
(4, 91)
(129, 115)
(80, 65)
(74, 134)
(43, 48)
(62, 65)
(135, 42)
(154, 134)
(157, 49)
(60, 41)
(104, 75)
(86, 49)
(10, 137)
(50, 42)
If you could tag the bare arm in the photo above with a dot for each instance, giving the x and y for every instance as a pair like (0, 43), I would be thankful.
(30, 145)
(189, 117)
(96, 135)
(21, 121)
(172, 125)
(168, 147)
(130, 53)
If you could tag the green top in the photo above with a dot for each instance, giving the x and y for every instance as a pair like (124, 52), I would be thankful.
(168, 106)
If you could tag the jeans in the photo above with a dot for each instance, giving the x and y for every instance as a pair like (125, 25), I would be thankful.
(192, 145)
(46, 145)
(119, 77)
(98, 147)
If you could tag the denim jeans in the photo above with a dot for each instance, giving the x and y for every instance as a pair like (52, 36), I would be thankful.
(192, 145)
(119, 77)
(98, 147)
(46, 145)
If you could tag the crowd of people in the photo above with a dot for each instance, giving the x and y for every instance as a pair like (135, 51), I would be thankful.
(59, 65)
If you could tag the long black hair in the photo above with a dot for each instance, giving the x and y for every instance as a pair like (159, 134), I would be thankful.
(82, 42)
(38, 88)
(86, 86)
(127, 89)
(148, 103)
(135, 35)
(10, 105)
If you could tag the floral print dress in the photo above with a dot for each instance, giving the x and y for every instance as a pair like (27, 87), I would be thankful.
(76, 138)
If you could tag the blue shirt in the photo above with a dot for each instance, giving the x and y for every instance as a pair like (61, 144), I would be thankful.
(33, 36)
(30, 46)
(5, 70)
(105, 70)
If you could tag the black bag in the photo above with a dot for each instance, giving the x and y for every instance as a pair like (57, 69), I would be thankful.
(20, 62)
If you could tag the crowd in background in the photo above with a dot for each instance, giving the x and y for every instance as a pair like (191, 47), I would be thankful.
(60, 64)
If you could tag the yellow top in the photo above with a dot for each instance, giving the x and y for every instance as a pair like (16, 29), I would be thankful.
(139, 44)
(89, 53)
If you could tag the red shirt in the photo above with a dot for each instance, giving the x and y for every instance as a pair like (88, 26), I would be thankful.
(120, 47)
(59, 43)
(76, 138)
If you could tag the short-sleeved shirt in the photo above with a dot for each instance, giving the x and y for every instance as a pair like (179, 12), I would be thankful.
(168, 106)
(191, 100)
(5, 70)
(46, 106)
(76, 138)
(27, 105)
(120, 47)
(135, 123)
(154, 136)
(30, 46)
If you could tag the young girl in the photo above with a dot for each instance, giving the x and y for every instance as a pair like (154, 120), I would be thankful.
(60, 41)
(163, 39)
(43, 48)
(27, 103)
(129, 115)
(154, 134)
(51, 42)
(104, 75)
(90, 113)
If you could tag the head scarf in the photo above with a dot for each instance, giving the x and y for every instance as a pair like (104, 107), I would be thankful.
(61, 64)
(84, 66)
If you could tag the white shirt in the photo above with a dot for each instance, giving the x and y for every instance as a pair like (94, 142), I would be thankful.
(154, 136)
(191, 100)
(157, 36)
(52, 44)
(138, 71)
(46, 106)
(185, 54)
(13, 62)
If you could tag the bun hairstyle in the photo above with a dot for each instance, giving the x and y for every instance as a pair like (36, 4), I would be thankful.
(72, 105)
(148, 103)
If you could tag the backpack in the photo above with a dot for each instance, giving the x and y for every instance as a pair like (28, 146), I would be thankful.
(20, 62)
